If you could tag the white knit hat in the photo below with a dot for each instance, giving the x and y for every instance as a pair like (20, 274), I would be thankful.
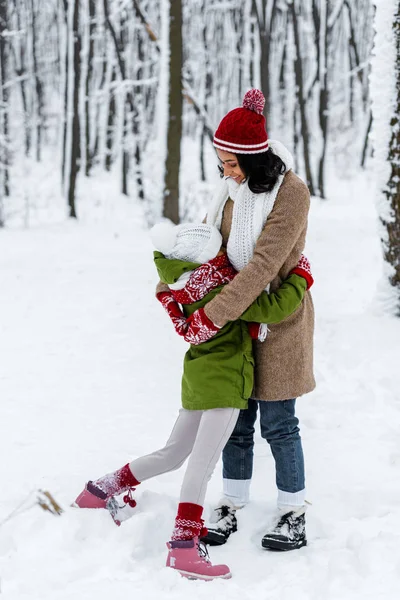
(197, 243)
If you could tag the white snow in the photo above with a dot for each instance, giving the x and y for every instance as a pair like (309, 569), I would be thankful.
(90, 377)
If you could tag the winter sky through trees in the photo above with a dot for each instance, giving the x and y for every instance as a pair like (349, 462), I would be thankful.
(122, 86)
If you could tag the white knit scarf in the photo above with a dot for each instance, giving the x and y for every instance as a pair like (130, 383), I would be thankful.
(250, 212)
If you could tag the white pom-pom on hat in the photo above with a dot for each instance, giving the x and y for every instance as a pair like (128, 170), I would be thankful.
(254, 100)
(163, 236)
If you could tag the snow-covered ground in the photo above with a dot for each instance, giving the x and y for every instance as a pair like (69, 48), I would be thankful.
(90, 376)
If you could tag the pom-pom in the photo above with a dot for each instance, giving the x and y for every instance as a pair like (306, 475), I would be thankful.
(254, 100)
(163, 236)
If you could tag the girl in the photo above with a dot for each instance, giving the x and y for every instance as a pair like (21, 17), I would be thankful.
(217, 381)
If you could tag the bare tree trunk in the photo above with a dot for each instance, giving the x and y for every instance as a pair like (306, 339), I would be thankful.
(265, 14)
(65, 96)
(125, 153)
(323, 91)
(392, 190)
(110, 126)
(38, 84)
(18, 50)
(351, 84)
(4, 108)
(354, 48)
(187, 92)
(130, 110)
(366, 140)
(174, 133)
(90, 56)
(207, 95)
(71, 152)
(301, 98)
(137, 124)
(129, 105)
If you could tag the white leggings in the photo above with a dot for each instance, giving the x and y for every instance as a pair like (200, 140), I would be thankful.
(202, 434)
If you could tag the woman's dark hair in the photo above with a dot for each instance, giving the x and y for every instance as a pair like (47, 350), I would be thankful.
(262, 170)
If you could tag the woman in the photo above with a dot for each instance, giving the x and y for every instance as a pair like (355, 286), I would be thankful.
(261, 210)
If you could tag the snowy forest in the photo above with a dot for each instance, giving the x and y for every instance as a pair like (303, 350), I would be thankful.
(115, 86)
(87, 83)
(107, 114)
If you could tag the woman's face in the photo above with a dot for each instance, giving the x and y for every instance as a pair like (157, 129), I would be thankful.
(230, 166)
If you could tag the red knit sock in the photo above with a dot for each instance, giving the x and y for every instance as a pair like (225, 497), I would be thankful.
(117, 482)
(126, 477)
(188, 522)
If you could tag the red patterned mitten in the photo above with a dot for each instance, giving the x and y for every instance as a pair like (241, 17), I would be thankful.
(303, 268)
(200, 328)
(174, 311)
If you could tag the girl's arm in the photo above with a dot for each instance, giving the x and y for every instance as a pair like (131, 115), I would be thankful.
(277, 306)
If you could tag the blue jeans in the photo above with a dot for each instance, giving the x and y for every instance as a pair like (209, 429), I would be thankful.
(279, 426)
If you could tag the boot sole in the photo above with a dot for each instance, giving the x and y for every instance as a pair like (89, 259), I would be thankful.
(280, 545)
(189, 575)
(213, 538)
(214, 541)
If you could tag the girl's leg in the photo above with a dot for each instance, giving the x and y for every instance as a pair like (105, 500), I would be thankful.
(178, 447)
(185, 554)
(215, 427)
(172, 456)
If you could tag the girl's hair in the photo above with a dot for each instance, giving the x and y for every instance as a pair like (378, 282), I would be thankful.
(262, 170)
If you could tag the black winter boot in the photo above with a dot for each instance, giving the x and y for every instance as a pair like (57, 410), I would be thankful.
(225, 523)
(288, 532)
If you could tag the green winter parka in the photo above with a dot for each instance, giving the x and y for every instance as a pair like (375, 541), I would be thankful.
(219, 373)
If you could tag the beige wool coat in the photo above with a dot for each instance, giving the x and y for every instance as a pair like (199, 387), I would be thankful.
(284, 362)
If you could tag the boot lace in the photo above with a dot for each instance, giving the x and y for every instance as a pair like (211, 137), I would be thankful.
(128, 498)
(203, 552)
(225, 519)
(284, 520)
(289, 525)
(222, 511)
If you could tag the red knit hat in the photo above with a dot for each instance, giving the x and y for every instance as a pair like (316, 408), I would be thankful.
(242, 130)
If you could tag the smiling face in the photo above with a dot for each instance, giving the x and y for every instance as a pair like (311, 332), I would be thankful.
(230, 165)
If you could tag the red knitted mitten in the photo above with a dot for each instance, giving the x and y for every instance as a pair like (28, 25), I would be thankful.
(303, 268)
(200, 328)
(174, 311)
(254, 329)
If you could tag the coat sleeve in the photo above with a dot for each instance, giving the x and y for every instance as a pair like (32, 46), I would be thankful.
(284, 226)
(161, 287)
(277, 306)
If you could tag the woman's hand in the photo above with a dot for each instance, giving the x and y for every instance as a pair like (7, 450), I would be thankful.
(303, 268)
(199, 328)
(174, 311)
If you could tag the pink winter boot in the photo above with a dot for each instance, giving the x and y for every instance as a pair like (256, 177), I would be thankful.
(186, 554)
(100, 493)
(190, 558)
